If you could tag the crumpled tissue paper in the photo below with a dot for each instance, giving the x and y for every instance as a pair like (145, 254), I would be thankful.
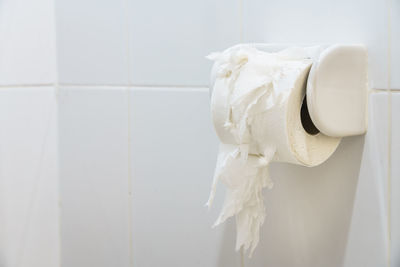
(255, 106)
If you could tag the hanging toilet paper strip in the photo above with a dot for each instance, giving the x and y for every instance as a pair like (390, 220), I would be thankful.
(256, 103)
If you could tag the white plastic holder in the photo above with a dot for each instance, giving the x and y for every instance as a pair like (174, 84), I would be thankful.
(337, 87)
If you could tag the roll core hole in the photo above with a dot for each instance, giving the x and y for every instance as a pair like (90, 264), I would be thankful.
(306, 121)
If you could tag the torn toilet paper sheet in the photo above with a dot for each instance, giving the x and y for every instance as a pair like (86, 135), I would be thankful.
(256, 104)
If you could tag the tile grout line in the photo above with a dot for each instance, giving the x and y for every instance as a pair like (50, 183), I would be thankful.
(389, 175)
(102, 86)
(129, 131)
(27, 85)
(241, 40)
(389, 178)
(130, 198)
(57, 102)
(241, 26)
(133, 86)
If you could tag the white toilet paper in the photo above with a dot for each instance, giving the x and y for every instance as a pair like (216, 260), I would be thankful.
(256, 103)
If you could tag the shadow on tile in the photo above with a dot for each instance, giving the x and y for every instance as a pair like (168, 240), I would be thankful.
(309, 212)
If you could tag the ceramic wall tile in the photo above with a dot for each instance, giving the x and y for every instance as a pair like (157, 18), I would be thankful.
(368, 235)
(92, 42)
(174, 151)
(395, 44)
(27, 46)
(395, 181)
(170, 39)
(93, 151)
(29, 218)
(326, 22)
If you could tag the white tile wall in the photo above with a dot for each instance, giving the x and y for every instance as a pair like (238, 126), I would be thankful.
(170, 39)
(173, 157)
(29, 224)
(331, 215)
(27, 42)
(314, 21)
(368, 235)
(93, 151)
(92, 42)
(395, 44)
(395, 185)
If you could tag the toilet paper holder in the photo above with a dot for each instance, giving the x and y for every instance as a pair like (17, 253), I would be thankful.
(337, 87)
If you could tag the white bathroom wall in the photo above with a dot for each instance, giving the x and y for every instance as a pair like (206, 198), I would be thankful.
(29, 210)
(395, 181)
(170, 39)
(93, 155)
(173, 152)
(27, 47)
(394, 52)
(29, 225)
(106, 158)
(91, 42)
(315, 22)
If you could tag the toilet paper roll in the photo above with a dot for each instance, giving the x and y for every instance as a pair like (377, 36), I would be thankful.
(256, 109)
